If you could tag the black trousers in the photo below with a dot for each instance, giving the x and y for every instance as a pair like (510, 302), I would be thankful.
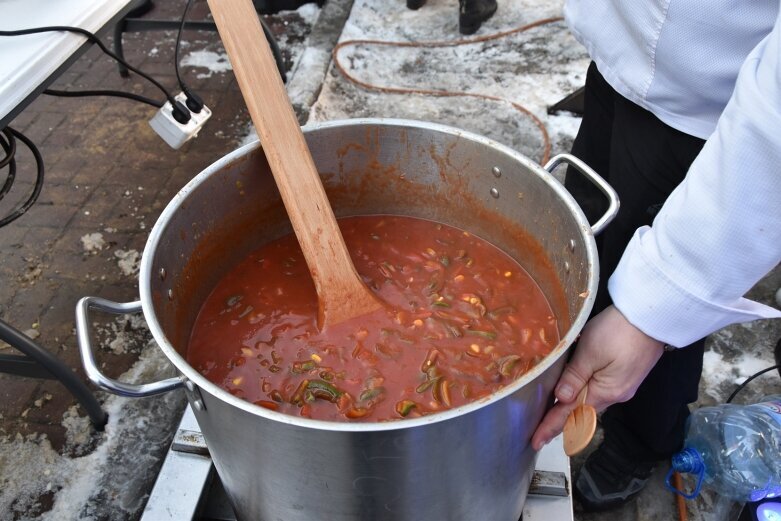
(644, 160)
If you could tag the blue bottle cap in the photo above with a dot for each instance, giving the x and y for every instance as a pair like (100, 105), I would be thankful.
(688, 461)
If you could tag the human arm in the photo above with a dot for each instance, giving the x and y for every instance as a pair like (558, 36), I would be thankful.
(718, 233)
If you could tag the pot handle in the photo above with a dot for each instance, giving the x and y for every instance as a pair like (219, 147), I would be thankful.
(91, 367)
(595, 178)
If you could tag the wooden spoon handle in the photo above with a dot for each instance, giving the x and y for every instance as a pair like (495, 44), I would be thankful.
(340, 290)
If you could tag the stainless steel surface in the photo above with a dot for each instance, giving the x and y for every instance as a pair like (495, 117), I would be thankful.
(94, 373)
(183, 477)
(188, 440)
(472, 462)
(184, 491)
(547, 483)
(196, 400)
(604, 187)
(551, 508)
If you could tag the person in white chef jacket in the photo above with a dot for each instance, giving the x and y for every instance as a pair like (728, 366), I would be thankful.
(683, 117)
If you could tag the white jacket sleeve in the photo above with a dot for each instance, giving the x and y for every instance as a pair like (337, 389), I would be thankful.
(719, 232)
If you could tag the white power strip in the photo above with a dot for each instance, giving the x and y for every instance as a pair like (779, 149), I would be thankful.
(173, 132)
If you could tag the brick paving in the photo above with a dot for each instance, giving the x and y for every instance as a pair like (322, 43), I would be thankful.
(107, 172)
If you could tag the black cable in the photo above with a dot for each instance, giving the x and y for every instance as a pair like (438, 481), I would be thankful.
(180, 112)
(178, 42)
(58, 369)
(9, 145)
(747, 380)
(194, 102)
(275, 50)
(12, 165)
(94, 39)
(10, 151)
(114, 93)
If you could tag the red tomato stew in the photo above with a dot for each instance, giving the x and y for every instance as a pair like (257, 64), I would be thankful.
(463, 320)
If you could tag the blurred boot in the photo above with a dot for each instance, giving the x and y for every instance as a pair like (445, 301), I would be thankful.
(472, 13)
(415, 4)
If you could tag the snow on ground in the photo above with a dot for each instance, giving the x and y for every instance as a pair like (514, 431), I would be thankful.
(535, 69)
(93, 242)
(124, 334)
(101, 475)
(737, 352)
(213, 62)
(128, 261)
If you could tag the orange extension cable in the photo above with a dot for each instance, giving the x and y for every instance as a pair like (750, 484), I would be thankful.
(679, 500)
(444, 93)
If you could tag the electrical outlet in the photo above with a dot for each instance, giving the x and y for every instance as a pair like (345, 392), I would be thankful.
(174, 133)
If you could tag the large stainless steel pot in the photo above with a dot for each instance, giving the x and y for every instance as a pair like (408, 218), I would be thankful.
(473, 462)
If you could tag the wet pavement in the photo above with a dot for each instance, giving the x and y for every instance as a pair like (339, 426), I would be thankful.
(108, 177)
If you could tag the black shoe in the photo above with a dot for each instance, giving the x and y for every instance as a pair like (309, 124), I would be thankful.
(607, 479)
(415, 4)
(472, 13)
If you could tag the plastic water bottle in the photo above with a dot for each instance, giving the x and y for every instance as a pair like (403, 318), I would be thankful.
(733, 449)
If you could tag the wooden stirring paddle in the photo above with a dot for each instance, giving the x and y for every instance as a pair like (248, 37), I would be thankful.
(580, 426)
(340, 291)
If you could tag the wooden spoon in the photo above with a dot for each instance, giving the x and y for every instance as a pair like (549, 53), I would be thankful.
(580, 425)
(341, 292)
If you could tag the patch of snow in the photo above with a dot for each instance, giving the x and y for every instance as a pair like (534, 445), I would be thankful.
(128, 261)
(721, 375)
(78, 431)
(309, 12)
(111, 482)
(213, 62)
(563, 125)
(307, 76)
(250, 135)
(125, 334)
(713, 374)
(93, 242)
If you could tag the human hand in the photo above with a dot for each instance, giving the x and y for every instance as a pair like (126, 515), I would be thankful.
(612, 357)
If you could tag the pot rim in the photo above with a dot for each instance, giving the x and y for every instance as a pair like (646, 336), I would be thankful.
(155, 236)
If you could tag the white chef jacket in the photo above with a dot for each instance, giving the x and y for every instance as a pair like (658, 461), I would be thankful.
(712, 69)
